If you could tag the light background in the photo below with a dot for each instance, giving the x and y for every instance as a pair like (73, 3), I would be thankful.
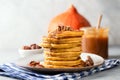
(23, 22)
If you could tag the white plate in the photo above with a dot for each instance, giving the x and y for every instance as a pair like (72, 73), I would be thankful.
(23, 62)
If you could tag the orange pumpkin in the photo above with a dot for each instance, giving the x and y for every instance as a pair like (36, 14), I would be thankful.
(69, 18)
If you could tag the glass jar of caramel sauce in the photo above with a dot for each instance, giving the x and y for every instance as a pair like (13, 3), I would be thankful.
(95, 41)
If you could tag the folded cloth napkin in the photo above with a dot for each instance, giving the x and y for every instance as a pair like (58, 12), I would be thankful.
(11, 70)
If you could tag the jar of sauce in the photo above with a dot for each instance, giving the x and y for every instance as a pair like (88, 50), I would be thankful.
(95, 41)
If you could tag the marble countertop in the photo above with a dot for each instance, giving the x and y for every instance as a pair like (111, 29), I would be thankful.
(112, 74)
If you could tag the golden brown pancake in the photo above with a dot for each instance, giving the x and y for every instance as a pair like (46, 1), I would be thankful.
(62, 54)
(45, 45)
(62, 40)
(63, 63)
(53, 45)
(60, 58)
(74, 49)
(54, 66)
(66, 34)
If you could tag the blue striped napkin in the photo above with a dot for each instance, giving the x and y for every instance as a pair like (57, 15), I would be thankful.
(11, 70)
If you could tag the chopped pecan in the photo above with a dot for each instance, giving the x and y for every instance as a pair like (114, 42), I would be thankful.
(64, 28)
(26, 47)
(89, 61)
(32, 46)
(35, 64)
(59, 28)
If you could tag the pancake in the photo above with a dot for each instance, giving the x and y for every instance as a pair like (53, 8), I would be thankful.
(52, 45)
(54, 66)
(45, 45)
(74, 49)
(65, 34)
(60, 58)
(62, 54)
(63, 63)
(62, 40)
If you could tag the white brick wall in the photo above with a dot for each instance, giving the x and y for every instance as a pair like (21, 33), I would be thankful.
(26, 21)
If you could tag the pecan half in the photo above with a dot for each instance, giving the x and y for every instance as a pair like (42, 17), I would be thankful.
(89, 61)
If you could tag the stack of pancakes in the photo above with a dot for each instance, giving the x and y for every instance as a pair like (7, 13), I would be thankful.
(62, 48)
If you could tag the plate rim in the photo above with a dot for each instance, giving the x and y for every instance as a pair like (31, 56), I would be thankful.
(76, 69)
(61, 69)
